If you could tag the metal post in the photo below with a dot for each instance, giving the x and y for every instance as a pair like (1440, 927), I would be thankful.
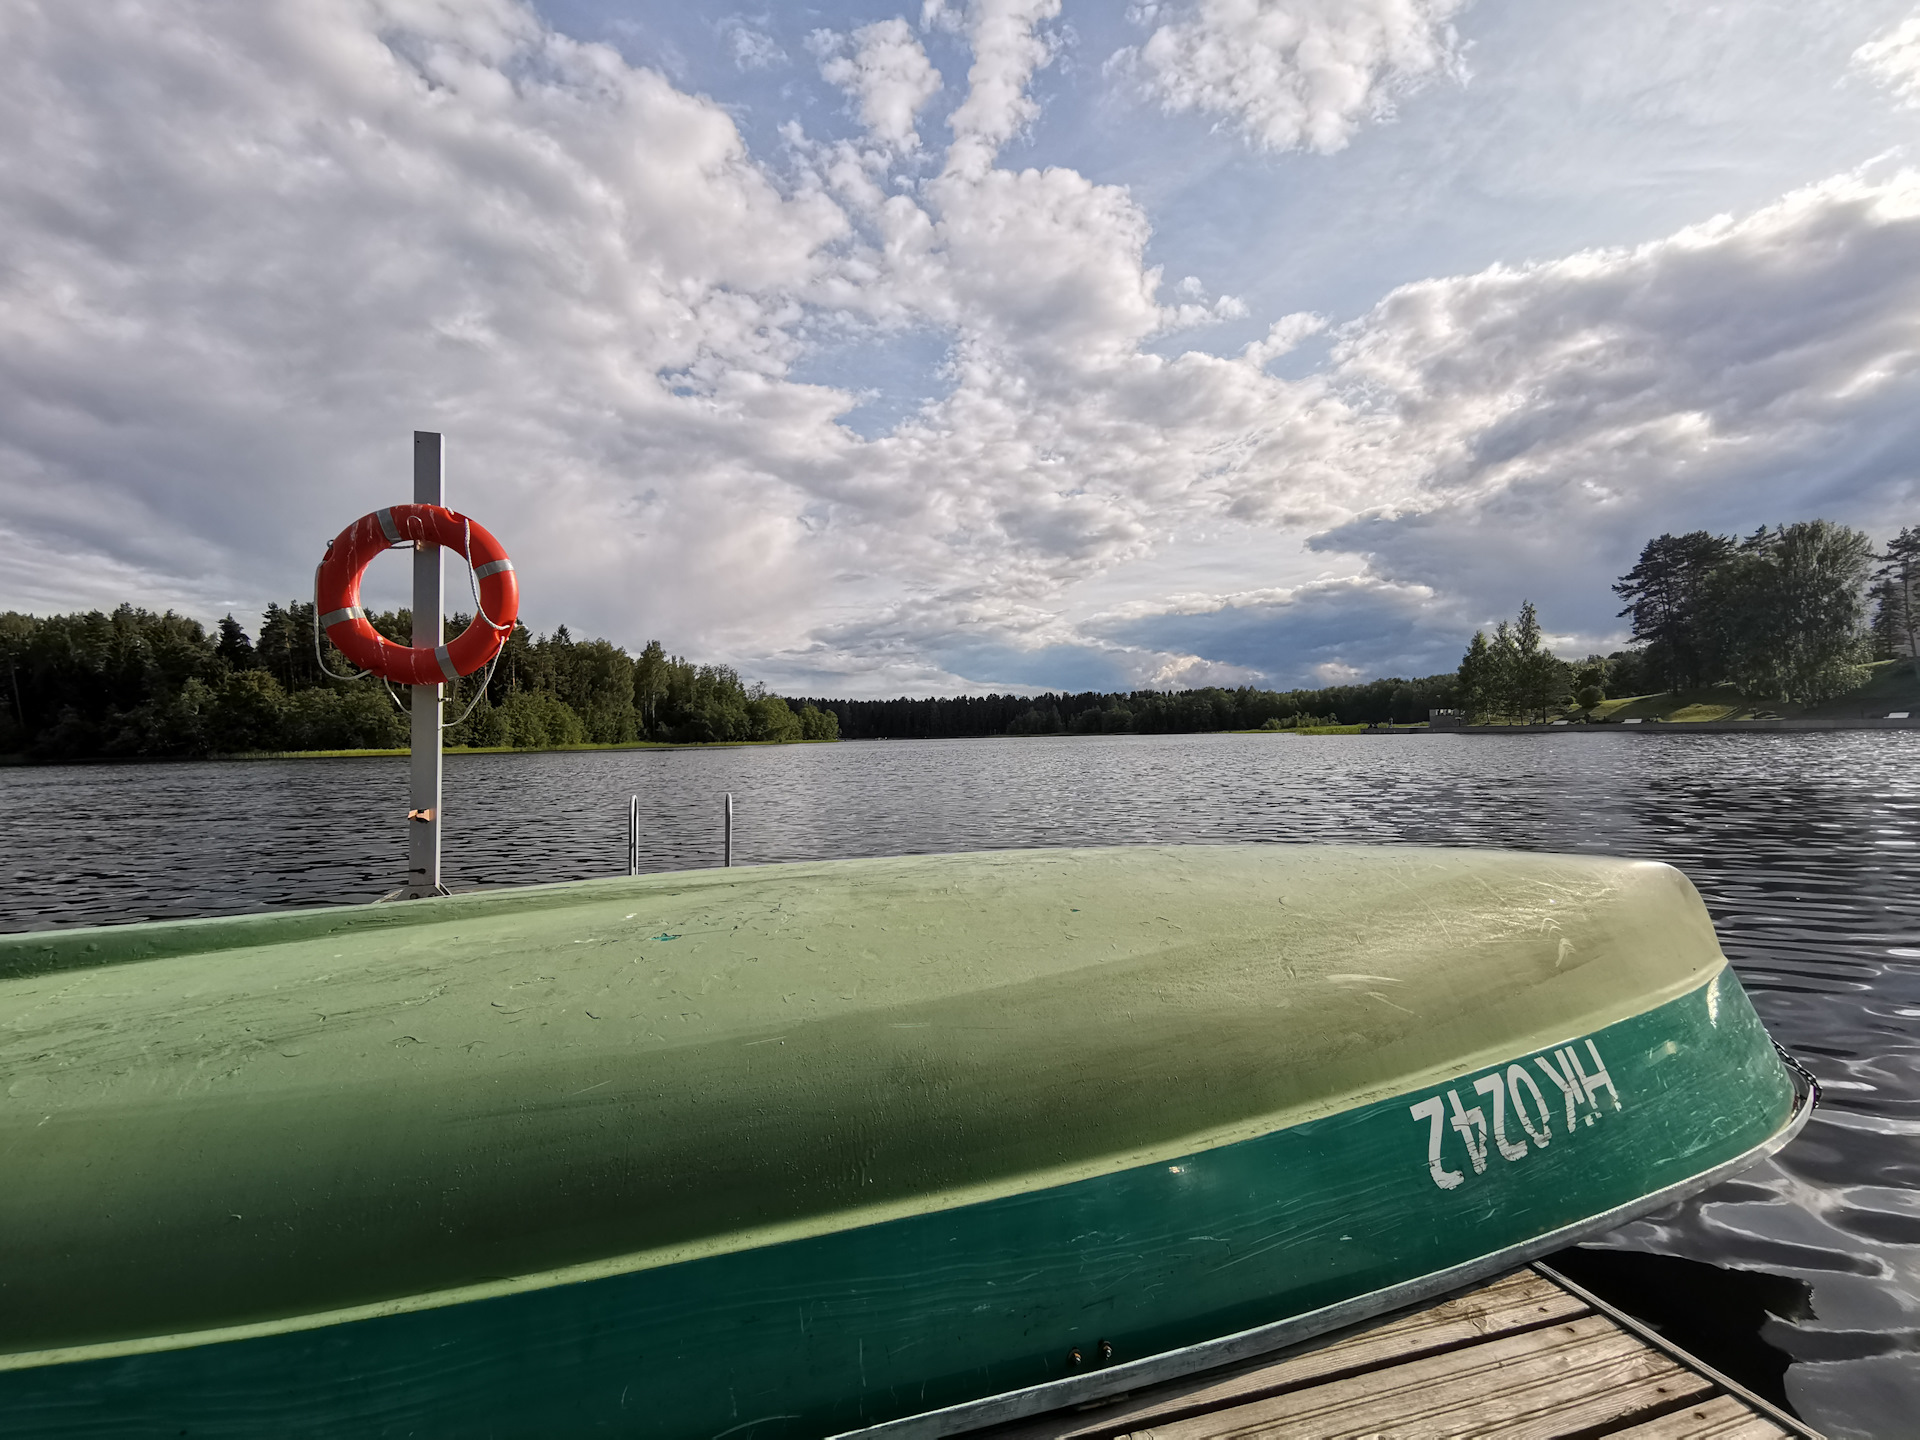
(633, 836)
(729, 827)
(429, 600)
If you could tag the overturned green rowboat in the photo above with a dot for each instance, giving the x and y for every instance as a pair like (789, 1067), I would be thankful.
(918, 1143)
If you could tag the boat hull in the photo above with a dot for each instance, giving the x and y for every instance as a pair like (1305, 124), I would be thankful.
(1268, 1237)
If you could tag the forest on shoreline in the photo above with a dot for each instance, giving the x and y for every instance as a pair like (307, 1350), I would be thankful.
(1781, 614)
(131, 683)
(1790, 614)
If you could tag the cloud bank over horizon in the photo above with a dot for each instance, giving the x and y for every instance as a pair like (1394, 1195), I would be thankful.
(848, 384)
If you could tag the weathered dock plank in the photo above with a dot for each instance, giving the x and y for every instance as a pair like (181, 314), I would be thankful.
(1523, 1358)
(1521, 1301)
(1721, 1418)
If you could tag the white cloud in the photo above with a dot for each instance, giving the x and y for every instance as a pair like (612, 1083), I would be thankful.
(940, 15)
(1558, 414)
(750, 47)
(1008, 46)
(1283, 337)
(1293, 74)
(1339, 626)
(1894, 59)
(251, 247)
(1193, 672)
(888, 75)
(256, 248)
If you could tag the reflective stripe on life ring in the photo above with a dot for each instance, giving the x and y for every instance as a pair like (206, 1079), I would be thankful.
(337, 594)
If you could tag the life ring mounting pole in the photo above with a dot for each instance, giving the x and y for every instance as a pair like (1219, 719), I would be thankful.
(429, 603)
(428, 528)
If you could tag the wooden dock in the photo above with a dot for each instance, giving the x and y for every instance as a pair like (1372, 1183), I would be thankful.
(1526, 1357)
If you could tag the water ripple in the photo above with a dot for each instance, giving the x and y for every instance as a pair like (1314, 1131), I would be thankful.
(1805, 847)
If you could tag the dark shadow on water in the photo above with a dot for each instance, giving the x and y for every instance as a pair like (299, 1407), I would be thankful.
(1712, 1313)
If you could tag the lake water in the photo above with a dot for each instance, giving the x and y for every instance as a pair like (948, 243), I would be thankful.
(1804, 1274)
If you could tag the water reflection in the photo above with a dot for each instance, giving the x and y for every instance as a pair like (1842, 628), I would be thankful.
(1806, 847)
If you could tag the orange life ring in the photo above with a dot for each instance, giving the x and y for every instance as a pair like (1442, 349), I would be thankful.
(336, 594)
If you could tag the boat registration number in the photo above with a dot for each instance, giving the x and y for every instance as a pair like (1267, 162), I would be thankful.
(1514, 1114)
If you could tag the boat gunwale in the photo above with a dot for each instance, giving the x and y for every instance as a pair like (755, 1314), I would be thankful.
(1262, 1340)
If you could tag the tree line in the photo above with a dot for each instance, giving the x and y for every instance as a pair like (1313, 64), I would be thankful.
(135, 683)
(1790, 613)
(1142, 712)
(131, 683)
(1782, 613)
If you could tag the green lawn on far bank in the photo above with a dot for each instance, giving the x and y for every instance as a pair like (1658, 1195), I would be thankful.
(1320, 730)
(1892, 686)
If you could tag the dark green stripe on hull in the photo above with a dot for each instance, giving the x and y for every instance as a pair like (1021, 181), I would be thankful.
(861, 1325)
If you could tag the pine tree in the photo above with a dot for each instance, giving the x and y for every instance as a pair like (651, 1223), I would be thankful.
(1504, 691)
(1539, 676)
(1786, 612)
(1511, 677)
(234, 647)
(650, 681)
(275, 651)
(1478, 683)
(1664, 594)
(1896, 597)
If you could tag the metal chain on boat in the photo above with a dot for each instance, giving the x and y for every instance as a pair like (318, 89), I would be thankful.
(1792, 1062)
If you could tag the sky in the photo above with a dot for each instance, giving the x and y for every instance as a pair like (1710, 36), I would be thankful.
(1005, 345)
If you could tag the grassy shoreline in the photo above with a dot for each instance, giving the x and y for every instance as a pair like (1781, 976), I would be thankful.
(1891, 686)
